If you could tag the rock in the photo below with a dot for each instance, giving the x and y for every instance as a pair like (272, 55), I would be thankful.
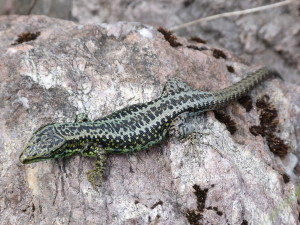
(52, 70)
(271, 36)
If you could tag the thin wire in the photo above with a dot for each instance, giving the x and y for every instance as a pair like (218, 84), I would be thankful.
(228, 14)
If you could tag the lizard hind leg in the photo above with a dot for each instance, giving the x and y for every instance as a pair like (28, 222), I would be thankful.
(99, 169)
(179, 128)
(175, 85)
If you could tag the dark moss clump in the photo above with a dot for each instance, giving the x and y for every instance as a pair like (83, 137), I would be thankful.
(226, 119)
(268, 126)
(170, 37)
(202, 48)
(277, 145)
(286, 178)
(26, 36)
(230, 69)
(201, 197)
(194, 216)
(160, 202)
(245, 222)
(246, 102)
(198, 39)
(219, 213)
(219, 54)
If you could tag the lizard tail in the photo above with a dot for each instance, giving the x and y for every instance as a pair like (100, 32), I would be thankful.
(241, 88)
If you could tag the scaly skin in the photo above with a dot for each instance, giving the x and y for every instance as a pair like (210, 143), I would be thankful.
(133, 128)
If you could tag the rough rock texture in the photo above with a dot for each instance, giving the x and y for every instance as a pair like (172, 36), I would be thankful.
(51, 69)
(54, 8)
(271, 36)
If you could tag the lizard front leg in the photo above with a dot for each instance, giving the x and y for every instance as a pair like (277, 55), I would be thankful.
(100, 166)
(82, 117)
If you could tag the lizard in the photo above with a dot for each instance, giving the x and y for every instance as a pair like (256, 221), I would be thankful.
(135, 127)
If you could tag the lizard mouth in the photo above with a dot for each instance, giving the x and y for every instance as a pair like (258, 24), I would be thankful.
(27, 159)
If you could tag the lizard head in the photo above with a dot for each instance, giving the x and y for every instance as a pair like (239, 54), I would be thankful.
(46, 143)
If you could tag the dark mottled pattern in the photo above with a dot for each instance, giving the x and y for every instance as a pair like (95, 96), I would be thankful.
(137, 126)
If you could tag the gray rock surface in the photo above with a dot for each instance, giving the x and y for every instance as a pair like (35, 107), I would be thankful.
(270, 36)
(54, 8)
(212, 177)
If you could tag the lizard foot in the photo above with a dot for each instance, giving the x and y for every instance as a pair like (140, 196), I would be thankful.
(97, 172)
